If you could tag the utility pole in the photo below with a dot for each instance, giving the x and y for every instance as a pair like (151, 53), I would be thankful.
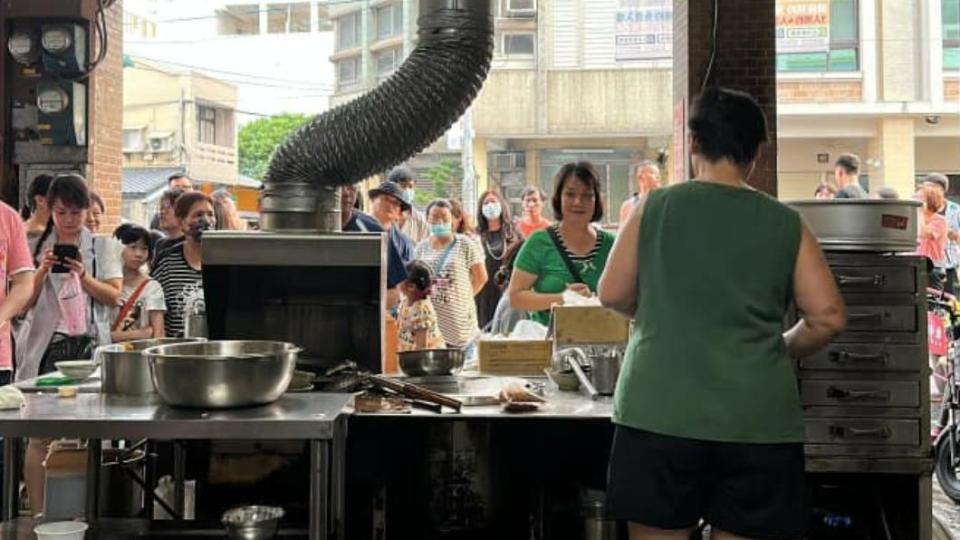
(468, 190)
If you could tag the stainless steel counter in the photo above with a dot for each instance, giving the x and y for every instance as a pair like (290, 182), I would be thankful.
(100, 416)
(317, 418)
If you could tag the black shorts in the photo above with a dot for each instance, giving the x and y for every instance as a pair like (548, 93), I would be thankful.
(751, 490)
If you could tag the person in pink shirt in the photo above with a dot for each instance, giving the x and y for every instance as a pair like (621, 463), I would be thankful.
(648, 179)
(532, 219)
(933, 226)
(16, 276)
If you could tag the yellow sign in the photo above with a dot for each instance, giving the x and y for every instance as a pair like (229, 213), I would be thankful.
(803, 26)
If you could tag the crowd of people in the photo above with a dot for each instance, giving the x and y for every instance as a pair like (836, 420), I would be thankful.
(452, 275)
(73, 286)
(938, 226)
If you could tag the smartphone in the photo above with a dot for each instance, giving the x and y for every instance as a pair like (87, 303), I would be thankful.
(61, 252)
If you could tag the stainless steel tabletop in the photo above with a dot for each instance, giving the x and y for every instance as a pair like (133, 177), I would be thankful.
(559, 405)
(99, 416)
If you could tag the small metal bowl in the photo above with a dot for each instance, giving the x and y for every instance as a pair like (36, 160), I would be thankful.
(431, 362)
(252, 522)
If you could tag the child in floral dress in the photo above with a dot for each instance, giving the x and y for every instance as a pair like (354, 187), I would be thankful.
(418, 328)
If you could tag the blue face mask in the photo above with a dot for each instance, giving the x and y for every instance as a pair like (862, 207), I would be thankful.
(440, 229)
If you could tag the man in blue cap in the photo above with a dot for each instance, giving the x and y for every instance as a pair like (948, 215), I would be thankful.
(387, 206)
(412, 223)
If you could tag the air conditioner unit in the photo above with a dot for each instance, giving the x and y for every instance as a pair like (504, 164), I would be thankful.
(159, 143)
(509, 161)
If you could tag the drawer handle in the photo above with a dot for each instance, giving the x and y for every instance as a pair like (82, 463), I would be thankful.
(864, 317)
(846, 357)
(876, 280)
(842, 394)
(860, 433)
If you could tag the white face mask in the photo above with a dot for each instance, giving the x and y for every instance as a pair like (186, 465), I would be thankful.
(492, 210)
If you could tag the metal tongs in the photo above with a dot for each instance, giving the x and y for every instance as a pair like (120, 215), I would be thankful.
(578, 361)
(414, 392)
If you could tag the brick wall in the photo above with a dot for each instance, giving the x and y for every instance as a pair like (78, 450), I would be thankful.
(951, 90)
(745, 60)
(106, 122)
(819, 91)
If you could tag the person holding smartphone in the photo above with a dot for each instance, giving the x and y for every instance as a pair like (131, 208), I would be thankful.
(74, 275)
(72, 278)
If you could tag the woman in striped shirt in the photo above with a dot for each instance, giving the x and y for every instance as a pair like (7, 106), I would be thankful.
(459, 274)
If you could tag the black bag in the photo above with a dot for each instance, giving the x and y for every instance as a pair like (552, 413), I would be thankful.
(63, 347)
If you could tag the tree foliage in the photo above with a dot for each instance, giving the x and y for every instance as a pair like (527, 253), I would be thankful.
(441, 177)
(258, 139)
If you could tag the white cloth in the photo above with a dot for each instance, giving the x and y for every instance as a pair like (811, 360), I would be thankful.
(10, 397)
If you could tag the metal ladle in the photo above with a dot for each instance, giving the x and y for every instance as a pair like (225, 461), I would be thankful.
(575, 358)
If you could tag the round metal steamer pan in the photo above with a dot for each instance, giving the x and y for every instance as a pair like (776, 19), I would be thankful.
(862, 224)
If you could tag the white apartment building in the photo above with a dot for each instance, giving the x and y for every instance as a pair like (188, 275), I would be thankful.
(569, 82)
(275, 53)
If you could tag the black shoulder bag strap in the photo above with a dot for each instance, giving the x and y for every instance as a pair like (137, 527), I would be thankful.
(572, 268)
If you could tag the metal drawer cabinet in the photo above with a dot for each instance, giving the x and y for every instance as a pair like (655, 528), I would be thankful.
(873, 394)
(863, 431)
(876, 279)
(868, 357)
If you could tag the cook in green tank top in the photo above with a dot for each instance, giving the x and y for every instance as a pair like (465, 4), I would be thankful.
(568, 255)
(707, 401)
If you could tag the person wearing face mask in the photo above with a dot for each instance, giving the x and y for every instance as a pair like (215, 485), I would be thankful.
(497, 235)
(179, 270)
(459, 274)
(412, 222)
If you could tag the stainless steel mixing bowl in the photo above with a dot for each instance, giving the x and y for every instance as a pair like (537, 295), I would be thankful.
(222, 374)
(124, 370)
(252, 522)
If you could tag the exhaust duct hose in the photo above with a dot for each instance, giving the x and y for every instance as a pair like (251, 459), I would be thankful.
(401, 116)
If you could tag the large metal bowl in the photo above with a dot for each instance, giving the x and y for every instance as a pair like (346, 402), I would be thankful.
(222, 374)
(124, 369)
(431, 362)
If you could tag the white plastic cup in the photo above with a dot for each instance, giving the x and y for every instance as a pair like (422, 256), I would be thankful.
(61, 530)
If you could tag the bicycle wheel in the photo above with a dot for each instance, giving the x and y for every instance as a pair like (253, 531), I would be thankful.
(947, 473)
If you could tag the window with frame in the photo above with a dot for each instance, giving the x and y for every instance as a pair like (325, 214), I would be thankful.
(951, 34)
(324, 22)
(348, 71)
(387, 62)
(238, 20)
(818, 36)
(517, 45)
(206, 124)
(133, 139)
(348, 31)
(515, 8)
(389, 21)
(288, 18)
